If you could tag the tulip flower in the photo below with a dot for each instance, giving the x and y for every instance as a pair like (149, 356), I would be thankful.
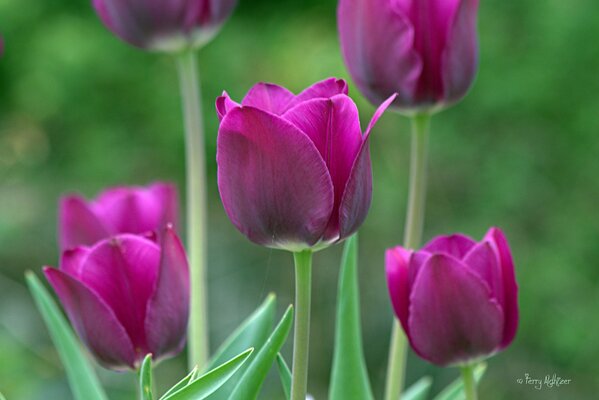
(294, 172)
(425, 50)
(126, 297)
(162, 25)
(117, 210)
(456, 298)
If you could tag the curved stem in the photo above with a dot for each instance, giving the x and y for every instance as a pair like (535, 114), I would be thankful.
(196, 207)
(469, 382)
(412, 238)
(301, 340)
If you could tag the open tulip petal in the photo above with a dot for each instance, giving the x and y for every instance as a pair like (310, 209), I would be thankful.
(72, 259)
(324, 89)
(165, 195)
(269, 97)
(78, 224)
(396, 265)
(455, 245)
(93, 320)
(224, 104)
(274, 184)
(168, 308)
(453, 318)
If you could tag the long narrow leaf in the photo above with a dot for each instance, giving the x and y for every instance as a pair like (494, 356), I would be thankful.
(349, 379)
(181, 384)
(208, 383)
(285, 375)
(250, 383)
(80, 374)
(145, 379)
(419, 390)
(455, 390)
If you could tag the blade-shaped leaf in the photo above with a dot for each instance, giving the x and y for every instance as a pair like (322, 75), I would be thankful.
(455, 389)
(81, 376)
(145, 379)
(208, 383)
(250, 383)
(285, 375)
(181, 384)
(253, 332)
(349, 378)
(419, 390)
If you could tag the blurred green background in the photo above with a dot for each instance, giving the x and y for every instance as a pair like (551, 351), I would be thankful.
(79, 111)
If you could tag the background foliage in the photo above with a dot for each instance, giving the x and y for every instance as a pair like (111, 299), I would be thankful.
(80, 110)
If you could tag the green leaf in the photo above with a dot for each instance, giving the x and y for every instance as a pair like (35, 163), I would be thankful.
(208, 383)
(2, 397)
(250, 383)
(455, 390)
(145, 379)
(285, 375)
(182, 383)
(80, 374)
(349, 377)
(253, 332)
(419, 390)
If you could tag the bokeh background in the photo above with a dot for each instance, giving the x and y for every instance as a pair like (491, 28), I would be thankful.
(79, 111)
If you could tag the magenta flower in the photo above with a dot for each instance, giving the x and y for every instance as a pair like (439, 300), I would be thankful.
(456, 299)
(425, 50)
(162, 25)
(117, 210)
(126, 297)
(294, 171)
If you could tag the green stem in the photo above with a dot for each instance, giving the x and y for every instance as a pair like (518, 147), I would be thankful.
(412, 238)
(469, 382)
(301, 340)
(196, 207)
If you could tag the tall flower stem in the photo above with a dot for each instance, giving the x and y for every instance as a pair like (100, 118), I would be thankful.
(412, 239)
(196, 207)
(301, 340)
(469, 382)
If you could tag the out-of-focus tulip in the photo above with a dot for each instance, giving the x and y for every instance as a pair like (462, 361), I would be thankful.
(164, 25)
(294, 172)
(456, 299)
(117, 210)
(126, 297)
(425, 50)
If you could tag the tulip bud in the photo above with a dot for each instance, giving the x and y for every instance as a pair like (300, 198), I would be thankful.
(456, 299)
(162, 25)
(294, 172)
(117, 210)
(126, 297)
(425, 50)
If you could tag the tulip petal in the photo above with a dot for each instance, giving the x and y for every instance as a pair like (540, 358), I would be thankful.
(460, 57)
(357, 193)
(500, 245)
(168, 308)
(453, 317)
(483, 260)
(165, 195)
(93, 320)
(333, 125)
(324, 89)
(457, 245)
(123, 271)
(376, 42)
(273, 183)
(269, 97)
(78, 224)
(224, 104)
(396, 266)
(72, 259)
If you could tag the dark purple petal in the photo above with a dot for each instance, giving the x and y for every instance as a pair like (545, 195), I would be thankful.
(377, 45)
(224, 104)
(324, 89)
(483, 260)
(396, 266)
(457, 245)
(274, 185)
(269, 97)
(453, 317)
(501, 246)
(78, 223)
(357, 193)
(123, 271)
(168, 308)
(94, 321)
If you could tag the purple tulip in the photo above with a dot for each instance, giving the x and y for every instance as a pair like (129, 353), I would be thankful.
(117, 210)
(456, 299)
(162, 25)
(294, 171)
(126, 297)
(425, 50)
